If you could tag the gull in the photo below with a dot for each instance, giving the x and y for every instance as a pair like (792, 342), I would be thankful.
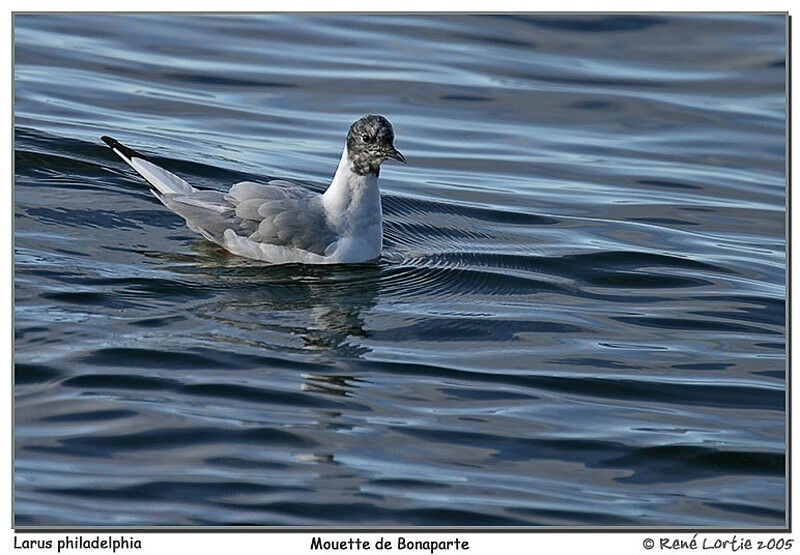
(280, 222)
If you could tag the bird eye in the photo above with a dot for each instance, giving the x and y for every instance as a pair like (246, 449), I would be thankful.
(366, 138)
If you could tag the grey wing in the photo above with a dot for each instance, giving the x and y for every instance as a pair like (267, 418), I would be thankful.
(286, 215)
(278, 213)
(298, 223)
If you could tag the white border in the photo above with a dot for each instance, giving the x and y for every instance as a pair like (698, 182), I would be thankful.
(526, 543)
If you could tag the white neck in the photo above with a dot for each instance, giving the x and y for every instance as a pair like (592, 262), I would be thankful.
(352, 201)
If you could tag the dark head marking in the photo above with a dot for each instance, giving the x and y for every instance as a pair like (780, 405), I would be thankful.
(370, 141)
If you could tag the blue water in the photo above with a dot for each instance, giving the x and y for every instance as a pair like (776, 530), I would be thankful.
(578, 317)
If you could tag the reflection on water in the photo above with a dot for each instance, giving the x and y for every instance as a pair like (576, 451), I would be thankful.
(321, 305)
(578, 317)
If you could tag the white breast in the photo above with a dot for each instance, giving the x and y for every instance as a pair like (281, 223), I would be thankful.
(353, 208)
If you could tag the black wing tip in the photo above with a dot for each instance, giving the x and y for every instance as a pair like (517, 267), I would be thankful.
(124, 150)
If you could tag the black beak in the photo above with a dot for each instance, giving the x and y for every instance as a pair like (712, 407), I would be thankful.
(395, 155)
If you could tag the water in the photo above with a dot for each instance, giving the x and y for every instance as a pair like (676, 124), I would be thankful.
(578, 318)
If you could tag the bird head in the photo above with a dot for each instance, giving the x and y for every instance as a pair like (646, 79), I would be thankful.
(370, 141)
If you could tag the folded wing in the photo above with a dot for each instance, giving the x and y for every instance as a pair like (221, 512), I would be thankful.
(270, 221)
(284, 215)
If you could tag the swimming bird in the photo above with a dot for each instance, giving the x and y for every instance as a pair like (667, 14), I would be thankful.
(280, 222)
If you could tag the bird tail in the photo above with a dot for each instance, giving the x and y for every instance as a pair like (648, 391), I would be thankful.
(163, 182)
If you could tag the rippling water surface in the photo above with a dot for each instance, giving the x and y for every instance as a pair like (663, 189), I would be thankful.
(578, 318)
